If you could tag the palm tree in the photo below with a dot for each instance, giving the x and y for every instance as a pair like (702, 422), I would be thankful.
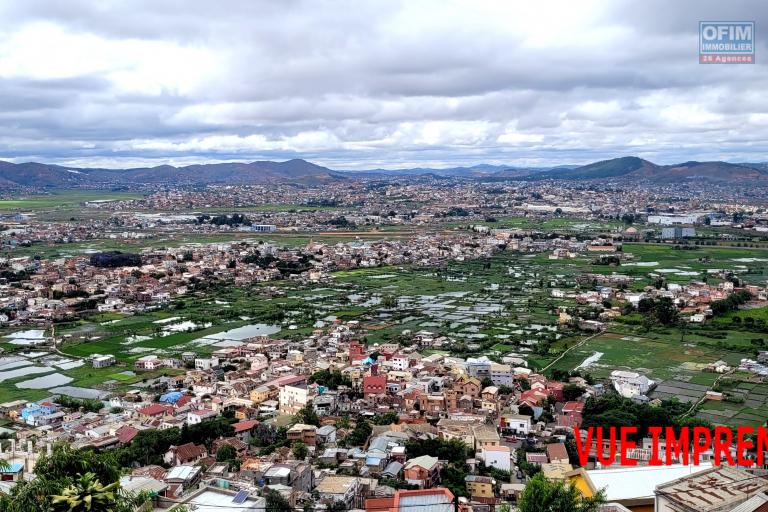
(87, 494)
(4, 465)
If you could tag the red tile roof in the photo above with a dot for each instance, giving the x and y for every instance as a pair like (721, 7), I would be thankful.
(189, 452)
(557, 451)
(126, 433)
(242, 426)
(153, 410)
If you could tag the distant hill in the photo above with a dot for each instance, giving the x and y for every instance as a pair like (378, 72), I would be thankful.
(634, 168)
(53, 176)
(33, 174)
(475, 171)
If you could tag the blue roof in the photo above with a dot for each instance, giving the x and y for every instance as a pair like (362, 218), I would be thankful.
(14, 468)
(171, 397)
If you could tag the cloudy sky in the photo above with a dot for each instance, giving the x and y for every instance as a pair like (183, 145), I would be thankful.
(360, 84)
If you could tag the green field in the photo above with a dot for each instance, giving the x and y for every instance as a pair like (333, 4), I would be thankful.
(64, 199)
(492, 306)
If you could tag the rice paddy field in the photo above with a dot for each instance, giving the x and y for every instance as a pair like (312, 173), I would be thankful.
(499, 306)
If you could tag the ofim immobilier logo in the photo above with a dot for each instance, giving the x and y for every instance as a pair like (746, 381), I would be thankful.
(726, 42)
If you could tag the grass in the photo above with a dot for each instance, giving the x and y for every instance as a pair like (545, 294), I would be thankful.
(64, 199)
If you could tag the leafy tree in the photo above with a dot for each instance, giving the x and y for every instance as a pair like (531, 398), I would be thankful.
(87, 494)
(359, 434)
(453, 449)
(542, 495)
(666, 311)
(226, 453)
(486, 382)
(386, 419)
(572, 391)
(300, 450)
(277, 503)
(453, 477)
(330, 379)
(388, 302)
(62, 474)
(308, 416)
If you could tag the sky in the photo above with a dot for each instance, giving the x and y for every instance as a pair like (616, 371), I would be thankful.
(375, 84)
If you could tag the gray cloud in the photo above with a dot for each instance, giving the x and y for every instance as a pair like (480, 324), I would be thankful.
(374, 83)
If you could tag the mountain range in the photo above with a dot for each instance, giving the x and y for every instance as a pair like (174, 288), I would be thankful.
(38, 175)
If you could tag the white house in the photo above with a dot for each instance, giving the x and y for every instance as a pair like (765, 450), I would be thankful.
(293, 398)
(499, 457)
(199, 416)
(630, 384)
(517, 423)
(502, 374)
(100, 361)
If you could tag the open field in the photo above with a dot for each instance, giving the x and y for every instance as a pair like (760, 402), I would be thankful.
(65, 199)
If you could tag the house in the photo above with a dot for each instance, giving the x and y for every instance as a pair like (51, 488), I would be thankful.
(536, 458)
(185, 476)
(633, 486)
(126, 433)
(499, 457)
(153, 411)
(150, 362)
(244, 429)
(485, 436)
(100, 361)
(293, 398)
(213, 499)
(374, 385)
(515, 424)
(326, 434)
(188, 453)
(392, 470)
(630, 384)
(307, 434)
(198, 416)
(557, 454)
(12, 473)
(338, 489)
(431, 500)
(423, 471)
(481, 488)
(149, 485)
(34, 413)
(712, 490)
(295, 474)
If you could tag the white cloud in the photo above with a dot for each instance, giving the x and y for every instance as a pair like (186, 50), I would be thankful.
(386, 83)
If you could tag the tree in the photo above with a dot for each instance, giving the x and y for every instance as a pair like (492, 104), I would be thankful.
(277, 503)
(299, 450)
(307, 416)
(61, 474)
(572, 391)
(87, 494)
(388, 302)
(666, 311)
(541, 495)
(226, 453)
(386, 419)
(359, 434)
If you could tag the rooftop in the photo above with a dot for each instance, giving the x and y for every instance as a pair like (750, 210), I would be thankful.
(712, 489)
(336, 484)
